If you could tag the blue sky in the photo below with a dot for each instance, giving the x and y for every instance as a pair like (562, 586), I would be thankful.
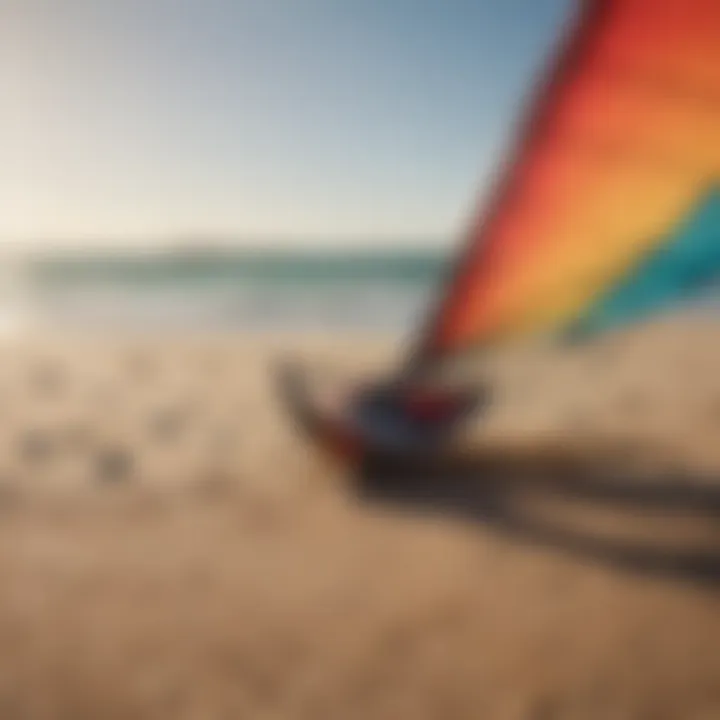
(314, 120)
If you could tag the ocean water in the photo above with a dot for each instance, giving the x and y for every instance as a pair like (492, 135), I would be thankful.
(233, 291)
(225, 290)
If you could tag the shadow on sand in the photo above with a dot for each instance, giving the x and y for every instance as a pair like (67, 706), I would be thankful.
(513, 499)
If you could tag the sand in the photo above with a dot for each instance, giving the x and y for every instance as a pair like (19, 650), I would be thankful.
(170, 549)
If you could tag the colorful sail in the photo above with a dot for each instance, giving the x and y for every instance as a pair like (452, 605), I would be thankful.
(608, 210)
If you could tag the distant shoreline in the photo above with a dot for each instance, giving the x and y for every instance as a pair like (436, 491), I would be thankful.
(270, 245)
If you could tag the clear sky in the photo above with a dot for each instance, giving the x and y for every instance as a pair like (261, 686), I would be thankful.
(138, 120)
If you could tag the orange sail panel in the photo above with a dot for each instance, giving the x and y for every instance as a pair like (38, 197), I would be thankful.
(609, 191)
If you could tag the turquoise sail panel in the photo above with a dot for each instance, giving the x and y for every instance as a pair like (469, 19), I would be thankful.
(682, 268)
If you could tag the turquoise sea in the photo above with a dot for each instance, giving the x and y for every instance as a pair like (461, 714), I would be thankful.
(236, 290)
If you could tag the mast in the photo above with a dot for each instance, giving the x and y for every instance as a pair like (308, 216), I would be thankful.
(426, 352)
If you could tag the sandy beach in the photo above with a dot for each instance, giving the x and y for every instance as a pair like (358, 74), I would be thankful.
(169, 548)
